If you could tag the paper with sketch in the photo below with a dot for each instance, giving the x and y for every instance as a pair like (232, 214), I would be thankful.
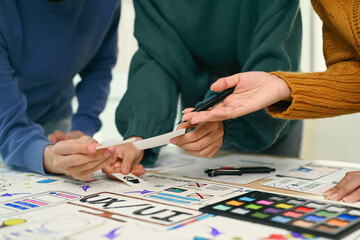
(300, 185)
(310, 171)
(115, 143)
(196, 169)
(158, 140)
(130, 179)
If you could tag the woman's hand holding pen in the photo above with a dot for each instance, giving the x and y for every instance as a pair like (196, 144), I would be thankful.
(253, 91)
(77, 157)
(128, 160)
(204, 141)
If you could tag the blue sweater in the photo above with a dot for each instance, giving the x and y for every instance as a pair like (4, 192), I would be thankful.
(43, 45)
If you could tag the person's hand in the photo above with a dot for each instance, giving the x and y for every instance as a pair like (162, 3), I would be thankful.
(77, 157)
(348, 189)
(58, 135)
(253, 91)
(128, 159)
(204, 141)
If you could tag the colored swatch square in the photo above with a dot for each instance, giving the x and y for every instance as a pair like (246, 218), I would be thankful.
(273, 210)
(246, 199)
(348, 217)
(240, 211)
(335, 209)
(324, 213)
(302, 223)
(314, 218)
(292, 214)
(264, 202)
(296, 201)
(326, 228)
(234, 203)
(337, 222)
(280, 219)
(355, 212)
(260, 215)
(284, 205)
(315, 205)
(303, 209)
(253, 206)
(221, 207)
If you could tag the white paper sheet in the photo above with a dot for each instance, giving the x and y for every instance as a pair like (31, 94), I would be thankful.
(196, 170)
(158, 140)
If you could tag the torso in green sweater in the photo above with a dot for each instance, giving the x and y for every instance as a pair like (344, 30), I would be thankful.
(184, 45)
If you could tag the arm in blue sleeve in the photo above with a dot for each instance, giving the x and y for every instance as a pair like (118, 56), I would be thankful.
(94, 88)
(275, 44)
(22, 142)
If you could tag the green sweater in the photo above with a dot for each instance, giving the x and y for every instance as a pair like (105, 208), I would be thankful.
(185, 45)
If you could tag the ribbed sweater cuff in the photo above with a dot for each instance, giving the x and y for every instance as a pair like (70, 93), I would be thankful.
(317, 95)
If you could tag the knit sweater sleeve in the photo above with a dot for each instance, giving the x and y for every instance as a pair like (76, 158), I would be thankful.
(274, 44)
(337, 90)
(93, 90)
(22, 142)
(149, 105)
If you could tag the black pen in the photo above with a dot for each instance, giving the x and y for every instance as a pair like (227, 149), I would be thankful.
(238, 171)
(212, 102)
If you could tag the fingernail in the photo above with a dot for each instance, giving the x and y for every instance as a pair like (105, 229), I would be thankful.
(172, 141)
(348, 198)
(106, 153)
(334, 196)
(90, 148)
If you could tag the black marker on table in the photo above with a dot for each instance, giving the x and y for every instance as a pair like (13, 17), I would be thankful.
(237, 171)
(212, 102)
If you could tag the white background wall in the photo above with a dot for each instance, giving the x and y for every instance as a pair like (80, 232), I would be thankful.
(332, 138)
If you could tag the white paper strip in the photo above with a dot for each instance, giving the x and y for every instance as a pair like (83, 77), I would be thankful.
(116, 143)
(158, 140)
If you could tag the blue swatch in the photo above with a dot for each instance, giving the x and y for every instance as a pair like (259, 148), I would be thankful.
(246, 199)
(348, 217)
(314, 218)
(280, 219)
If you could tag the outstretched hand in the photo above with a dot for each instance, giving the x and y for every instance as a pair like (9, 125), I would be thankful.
(253, 91)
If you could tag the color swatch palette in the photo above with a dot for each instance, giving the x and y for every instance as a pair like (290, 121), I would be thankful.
(295, 214)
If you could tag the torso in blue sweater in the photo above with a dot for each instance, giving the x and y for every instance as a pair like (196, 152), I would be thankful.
(43, 45)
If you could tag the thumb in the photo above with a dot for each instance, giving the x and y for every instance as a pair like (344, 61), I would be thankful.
(225, 83)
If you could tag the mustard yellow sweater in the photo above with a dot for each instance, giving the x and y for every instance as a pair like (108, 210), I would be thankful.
(337, 90)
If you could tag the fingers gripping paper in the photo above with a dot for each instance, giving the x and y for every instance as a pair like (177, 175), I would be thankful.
(116, 143)
(158, 140)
